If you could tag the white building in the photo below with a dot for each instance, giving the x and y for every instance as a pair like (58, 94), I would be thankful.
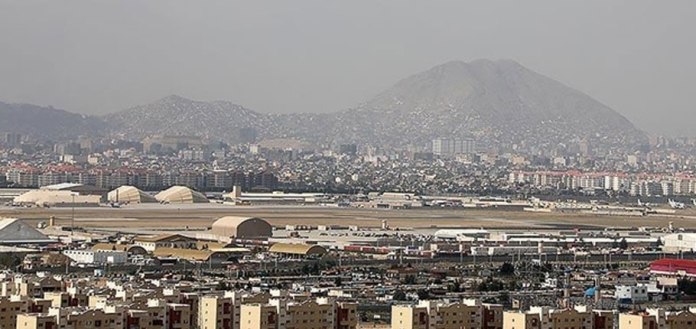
(444, 146)
(679, 242)
(634, 294)
(97, 256)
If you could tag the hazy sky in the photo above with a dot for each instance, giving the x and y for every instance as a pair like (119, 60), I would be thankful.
(638, 57)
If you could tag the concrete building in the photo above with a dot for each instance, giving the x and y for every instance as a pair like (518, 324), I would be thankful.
(346, 315)
(97, 256)
(36, 321)
(81, 318)
(470, 314)
(681, 320)
(309, 314)
(11, 306)
(258, 316)
(453, 315)
(548, 318)
(218, 312)
(631, 294)
(448, 147)
(679, 242)
(652, 319)
(521, 320)
(409, 317)
(165, 241)
(159, 314)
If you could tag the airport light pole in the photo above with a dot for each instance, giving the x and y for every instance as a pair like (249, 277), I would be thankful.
(72, 220)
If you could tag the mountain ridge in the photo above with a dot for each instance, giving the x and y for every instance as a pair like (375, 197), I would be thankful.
(47, 122)
(497, 102)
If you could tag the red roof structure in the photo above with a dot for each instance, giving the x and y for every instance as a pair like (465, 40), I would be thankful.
(676, 267)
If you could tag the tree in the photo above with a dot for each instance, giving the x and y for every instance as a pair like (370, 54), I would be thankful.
(222, 285)
(623, 245)
(688, 287)
(456, 286)
(410, 279)
(338, 281)
(482, 286)
(399, 295)
(504, 298)
(507, 269)
(10, 260)
(423, 294)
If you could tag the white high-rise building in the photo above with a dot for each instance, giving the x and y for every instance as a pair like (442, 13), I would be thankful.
(446, 146)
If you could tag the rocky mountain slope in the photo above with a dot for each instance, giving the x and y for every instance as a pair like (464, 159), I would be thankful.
(498, 103)
(175, 115)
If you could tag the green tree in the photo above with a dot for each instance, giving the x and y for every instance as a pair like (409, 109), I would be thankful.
(10, 260)
(399, 295)
(623, 244)
(423, 294)
(410, 279)
(507, 269)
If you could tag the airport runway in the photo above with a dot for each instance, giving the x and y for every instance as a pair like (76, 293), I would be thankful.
(199, 216)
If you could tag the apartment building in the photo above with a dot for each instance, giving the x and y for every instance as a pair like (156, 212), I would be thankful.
(346, 315)
(287, 313)
(309, 314)
(13, 305)
(681, 320)
(521, 320)
(158, 314)
(470, 314)
(640, 321)
(36, 321)
(258, 316)
(84, 318)
(548, 318)
(218, 312)
(409, 317)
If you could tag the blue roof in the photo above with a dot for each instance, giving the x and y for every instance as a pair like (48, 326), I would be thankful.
(590, 292)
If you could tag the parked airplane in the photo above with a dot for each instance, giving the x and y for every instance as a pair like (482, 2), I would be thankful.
(676, 205)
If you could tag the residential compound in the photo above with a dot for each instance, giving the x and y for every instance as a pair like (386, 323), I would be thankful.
(439, 315)
(89, 302)
(119, 305)
(633, 184)
(444, 165)
(474, 315)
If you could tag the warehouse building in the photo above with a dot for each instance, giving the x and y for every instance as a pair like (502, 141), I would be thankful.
(130, 194)
(674, 267)
(679, 242)
(297, 250)
(97, 256)
(242, 228)
(14, 231)
(56, 198)
(181, 194)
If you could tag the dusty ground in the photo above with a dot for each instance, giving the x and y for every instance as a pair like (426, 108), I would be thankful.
(172, 216)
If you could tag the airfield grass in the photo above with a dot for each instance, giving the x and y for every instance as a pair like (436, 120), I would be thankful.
(172, 216)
